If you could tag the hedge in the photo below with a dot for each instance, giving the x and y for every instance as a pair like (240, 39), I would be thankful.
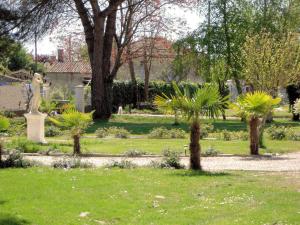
(123, 91)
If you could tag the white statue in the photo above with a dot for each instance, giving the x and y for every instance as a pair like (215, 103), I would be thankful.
(37, 81)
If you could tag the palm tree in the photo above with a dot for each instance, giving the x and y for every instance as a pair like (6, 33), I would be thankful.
(76, 122)
(205, 102)
(4, 124)
(255, 107)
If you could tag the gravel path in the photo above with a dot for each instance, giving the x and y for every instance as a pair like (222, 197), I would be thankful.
(286, 162)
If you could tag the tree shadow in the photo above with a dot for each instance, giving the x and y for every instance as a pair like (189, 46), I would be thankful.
(194, 173)
(2, 202)
(12, 220)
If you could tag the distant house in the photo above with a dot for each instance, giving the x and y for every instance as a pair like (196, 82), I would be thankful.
(71, 74)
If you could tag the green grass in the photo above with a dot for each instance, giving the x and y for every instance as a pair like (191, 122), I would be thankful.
(156, 146)
(140, 126)
(57, 197)
(143, 125)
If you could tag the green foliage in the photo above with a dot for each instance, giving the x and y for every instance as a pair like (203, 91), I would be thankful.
(211, 152)
(71, 163)
(204, 101)
(15, 160)
(101, 132)
(257, 104)
(19, 60)
(52, 131)
(162, 132)
(117, 132)
(24, 145)
(171, 159)
(73, 120)
(123, 164)
(282, 133)
(123, 91)
(47, 106)
(206, 128)
(270, 62)
(4, 123)
(134, 153)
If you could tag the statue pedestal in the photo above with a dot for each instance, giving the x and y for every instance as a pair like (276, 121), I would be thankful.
(36, 127)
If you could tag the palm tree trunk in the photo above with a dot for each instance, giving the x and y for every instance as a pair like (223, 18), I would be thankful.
(254, 135)
(76, 147)
(195, 146)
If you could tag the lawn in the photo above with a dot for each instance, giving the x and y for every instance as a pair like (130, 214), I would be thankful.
(156, 146)
(140, 126)
(147, 196)
(144, 124)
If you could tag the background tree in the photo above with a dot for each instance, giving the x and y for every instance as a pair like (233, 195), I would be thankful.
(76, 122)
(255, 107)
(270, 63)
(205, 102)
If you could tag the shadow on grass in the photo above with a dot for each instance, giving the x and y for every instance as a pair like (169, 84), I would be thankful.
(12, 220)
(2, 202)
(146, 127)
(192, 173)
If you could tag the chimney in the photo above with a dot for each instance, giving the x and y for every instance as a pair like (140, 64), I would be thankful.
(60, 55)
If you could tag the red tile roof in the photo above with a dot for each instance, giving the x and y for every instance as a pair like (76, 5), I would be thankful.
(70, 67)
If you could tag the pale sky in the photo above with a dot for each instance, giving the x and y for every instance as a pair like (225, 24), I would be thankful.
(49, 47)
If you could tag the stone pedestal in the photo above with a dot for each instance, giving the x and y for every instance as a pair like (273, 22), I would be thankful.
(36, 127)
(79, 98)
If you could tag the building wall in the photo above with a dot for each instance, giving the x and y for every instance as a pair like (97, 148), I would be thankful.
(12, 97)
(65, 79)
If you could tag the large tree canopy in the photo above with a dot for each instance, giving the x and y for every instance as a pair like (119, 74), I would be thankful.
(105, 23)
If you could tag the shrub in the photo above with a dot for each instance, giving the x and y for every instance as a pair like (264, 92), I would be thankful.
(277, 132)
(162, 132)
(8, 114)
(292, 135)
(226, 135)
(134, 153)
(241, 135)
(52, 131)
(210, 152)
(171, 159)
(123, 164)
(159, 132)
(17, 127)
(15, 159)
(119, 132)
(71, 162)
(177, 133)
(24, 145)
(101, 132)
(4, 123)
(206, 128)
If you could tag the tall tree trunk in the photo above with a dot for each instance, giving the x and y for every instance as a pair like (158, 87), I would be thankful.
(147, 76)
(261, 133)
(229, 67)
(132, 77)
(254, 135)
(195, 149)
(76, 147)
